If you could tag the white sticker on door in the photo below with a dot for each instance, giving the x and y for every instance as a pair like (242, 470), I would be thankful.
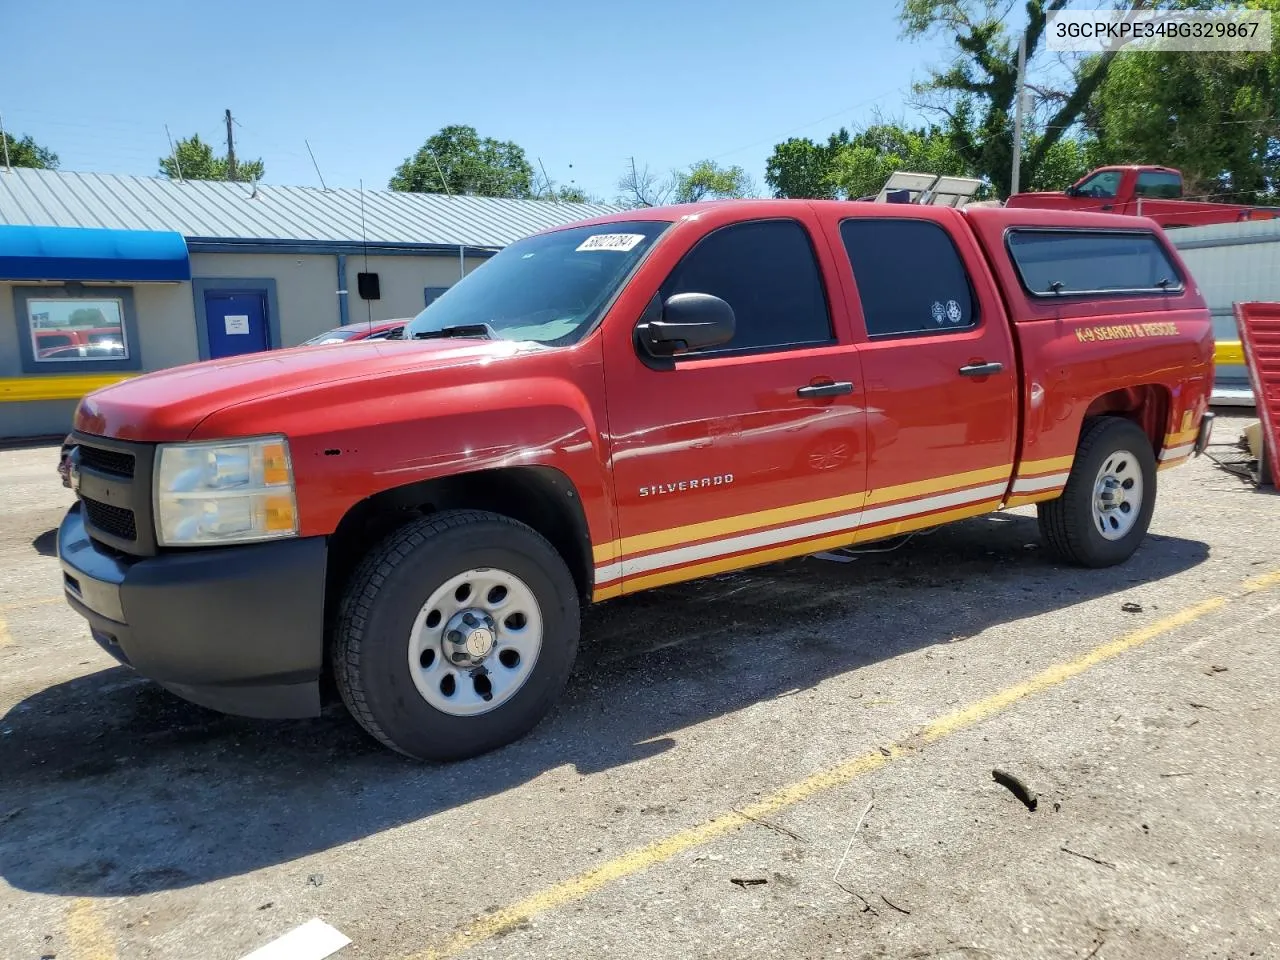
(238, 324)
(611, 241)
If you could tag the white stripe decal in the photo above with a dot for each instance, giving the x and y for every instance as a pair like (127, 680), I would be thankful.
(1034, 484)
(1174, 453)
(314, 940)
(606, 573)
(798, 531)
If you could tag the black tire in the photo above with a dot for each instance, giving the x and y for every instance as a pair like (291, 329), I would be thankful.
(1067, 523)
(385, 595)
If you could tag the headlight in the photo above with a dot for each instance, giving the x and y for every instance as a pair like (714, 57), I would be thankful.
(227, 491)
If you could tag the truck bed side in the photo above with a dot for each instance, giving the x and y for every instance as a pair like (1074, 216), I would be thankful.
(1142, 354)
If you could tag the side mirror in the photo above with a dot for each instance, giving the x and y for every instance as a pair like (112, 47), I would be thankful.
(689, 321)
(1072, 191)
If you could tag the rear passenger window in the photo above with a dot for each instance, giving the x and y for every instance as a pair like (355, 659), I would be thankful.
(766, 271)
(1161, 186)
(1055, 263)
(910, 277)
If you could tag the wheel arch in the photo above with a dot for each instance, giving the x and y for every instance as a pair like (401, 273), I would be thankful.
(541, 497)
(1146, 405)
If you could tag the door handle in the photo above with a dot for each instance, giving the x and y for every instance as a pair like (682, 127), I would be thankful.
(1107, 206)
(837, 389)
(980, 369)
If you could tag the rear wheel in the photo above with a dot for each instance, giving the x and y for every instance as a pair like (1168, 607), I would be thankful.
(1105, 509)
(456, 635)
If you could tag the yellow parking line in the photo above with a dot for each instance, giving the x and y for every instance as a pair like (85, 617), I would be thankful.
(87, 936)
(634, 861)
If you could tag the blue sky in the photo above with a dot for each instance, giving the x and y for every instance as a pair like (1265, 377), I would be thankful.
(581, 84)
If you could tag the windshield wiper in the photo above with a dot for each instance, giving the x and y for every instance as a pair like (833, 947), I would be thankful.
(481, 330)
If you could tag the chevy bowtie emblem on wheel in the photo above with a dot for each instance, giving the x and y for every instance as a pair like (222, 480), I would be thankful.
(479, 642)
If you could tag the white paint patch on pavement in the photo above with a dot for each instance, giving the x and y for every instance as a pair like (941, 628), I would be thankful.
(314, 940)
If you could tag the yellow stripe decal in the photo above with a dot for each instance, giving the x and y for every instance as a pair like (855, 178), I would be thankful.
(1030, 468)
(939, 485)
(725, 526)
(800, 548)
(607, 592)
(41, 387)
(1184, 436)
(709, 529)
(1166, 464)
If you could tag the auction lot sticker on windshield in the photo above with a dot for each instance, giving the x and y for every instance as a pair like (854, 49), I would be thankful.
(611, 241)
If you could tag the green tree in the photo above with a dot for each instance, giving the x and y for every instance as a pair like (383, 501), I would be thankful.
(196, 161)
(799, 167)
(458, 160)
(27, 153)
(976, 93)
(1212, 115)
(86, 317)
(866, 163)
(704, 180)
(857, 166)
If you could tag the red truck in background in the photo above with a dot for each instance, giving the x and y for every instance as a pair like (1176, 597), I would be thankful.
(604, 408)
(1145, 191)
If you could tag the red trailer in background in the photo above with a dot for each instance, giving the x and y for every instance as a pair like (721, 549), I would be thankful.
(1259, 325)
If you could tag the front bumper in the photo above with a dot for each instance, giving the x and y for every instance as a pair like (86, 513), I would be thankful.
(235, 629)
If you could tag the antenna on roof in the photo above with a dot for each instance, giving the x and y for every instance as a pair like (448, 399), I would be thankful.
(443, 180)
(4, 138)
(316, 165)
(173, 152)
(547, 181)
(364, 237)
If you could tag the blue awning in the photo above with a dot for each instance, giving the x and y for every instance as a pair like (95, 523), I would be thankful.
(88, 255)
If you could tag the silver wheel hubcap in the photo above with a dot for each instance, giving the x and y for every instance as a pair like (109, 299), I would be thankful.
(475, 642)
(1117, 495)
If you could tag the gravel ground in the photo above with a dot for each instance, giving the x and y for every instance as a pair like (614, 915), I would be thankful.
(813, 695)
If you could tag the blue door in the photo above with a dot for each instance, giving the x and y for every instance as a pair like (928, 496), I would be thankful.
(237, 322)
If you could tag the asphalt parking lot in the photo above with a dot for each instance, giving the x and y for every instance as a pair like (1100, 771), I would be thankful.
(793, 761)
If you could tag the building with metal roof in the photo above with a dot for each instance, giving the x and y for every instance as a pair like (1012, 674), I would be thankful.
(104, 276)
(215, 211)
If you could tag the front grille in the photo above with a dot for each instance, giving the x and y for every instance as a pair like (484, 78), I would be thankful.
(116, 521)
(114, 462)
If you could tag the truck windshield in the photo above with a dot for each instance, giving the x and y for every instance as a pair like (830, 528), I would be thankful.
(548, 289)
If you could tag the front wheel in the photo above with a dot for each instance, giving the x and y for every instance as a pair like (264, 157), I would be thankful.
(456, 635)
(1105, 509)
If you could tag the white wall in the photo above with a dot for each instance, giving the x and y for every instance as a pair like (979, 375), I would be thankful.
(401, 282)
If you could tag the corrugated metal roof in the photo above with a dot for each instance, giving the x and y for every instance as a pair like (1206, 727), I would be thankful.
(212, 210)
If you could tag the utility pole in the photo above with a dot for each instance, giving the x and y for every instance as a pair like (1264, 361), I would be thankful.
(231, 150)
(1017, 113)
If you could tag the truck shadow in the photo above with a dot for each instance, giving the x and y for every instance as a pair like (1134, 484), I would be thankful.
(113, 787)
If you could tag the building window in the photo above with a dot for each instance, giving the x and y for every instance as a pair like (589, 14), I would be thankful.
(76, 329)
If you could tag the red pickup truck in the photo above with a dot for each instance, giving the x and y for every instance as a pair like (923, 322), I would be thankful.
(1145, 191)
(619, 404)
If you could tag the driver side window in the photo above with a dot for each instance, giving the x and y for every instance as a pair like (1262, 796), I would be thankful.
(766, 271)
(1103, 184)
